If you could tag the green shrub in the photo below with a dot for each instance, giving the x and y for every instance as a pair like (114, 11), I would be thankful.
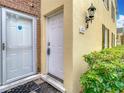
(106, 71)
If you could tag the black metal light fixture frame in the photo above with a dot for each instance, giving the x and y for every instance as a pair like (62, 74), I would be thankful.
(91, 12)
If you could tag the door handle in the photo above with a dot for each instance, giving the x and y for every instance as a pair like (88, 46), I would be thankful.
(48, 51)
(3, 46)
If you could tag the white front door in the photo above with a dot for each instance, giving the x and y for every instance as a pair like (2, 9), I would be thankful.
(55, 44)
(18, 46)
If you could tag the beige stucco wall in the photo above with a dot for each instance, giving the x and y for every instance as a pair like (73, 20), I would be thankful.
(76, 44)
(48, 7)
(91, 40)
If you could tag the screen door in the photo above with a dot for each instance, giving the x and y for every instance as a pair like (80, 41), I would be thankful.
(18, 46)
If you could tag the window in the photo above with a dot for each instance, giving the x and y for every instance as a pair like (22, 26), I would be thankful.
(106, 3)
(105, 37)
(112, 11)
(113, 40)
(122, 40)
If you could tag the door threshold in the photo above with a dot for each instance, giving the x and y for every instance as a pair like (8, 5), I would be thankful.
(58, 79)
(19, 82)
(55, 83)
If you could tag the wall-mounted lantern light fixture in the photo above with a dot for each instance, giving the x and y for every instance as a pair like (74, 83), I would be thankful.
(91, 12)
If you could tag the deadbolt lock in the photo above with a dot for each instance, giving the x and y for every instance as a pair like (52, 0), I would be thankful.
(3, 46)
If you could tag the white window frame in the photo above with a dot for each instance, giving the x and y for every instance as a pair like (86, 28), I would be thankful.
(106, 39)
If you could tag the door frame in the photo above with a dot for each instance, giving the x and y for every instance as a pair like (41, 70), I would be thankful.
(0, 46)
(34, 23)
(47, 40)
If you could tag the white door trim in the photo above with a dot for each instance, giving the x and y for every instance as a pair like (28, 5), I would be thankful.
(55, 13)
(58, 85)
(4, 11)
(0, 47)
(6, 87)
(47, 39)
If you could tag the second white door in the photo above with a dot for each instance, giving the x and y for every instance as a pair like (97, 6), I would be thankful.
(55, 44)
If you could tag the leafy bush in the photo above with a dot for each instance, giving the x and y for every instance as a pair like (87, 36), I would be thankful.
(106, 71)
